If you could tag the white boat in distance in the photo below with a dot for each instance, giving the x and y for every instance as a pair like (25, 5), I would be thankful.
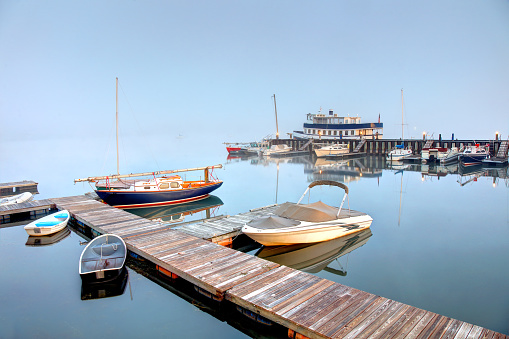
(307, 223)
(103, 259)
(331, 150)
(49, 224)
(16, 199)
(399, 153)
(277, 150)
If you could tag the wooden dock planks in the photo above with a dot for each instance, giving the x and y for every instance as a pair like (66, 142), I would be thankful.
(28, 206)
(307, 304)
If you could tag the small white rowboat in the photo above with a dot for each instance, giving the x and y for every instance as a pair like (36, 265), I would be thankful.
(49, 224)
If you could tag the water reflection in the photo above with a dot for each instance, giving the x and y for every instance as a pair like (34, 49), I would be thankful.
(48, 240)
(108, 289)
(178, 213)
(314, 258)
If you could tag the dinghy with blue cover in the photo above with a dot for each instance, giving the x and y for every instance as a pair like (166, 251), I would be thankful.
(49, 224)
(103, 259)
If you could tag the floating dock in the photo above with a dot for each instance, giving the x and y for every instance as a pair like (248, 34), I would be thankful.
(307, 305)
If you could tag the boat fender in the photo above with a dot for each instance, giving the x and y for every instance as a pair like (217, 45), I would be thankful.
(295, 335)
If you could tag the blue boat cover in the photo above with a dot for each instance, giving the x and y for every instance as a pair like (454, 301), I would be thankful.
(400, 146)
(47, 223)
(62, 215)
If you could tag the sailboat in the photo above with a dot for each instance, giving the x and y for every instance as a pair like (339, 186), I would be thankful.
(399, 152)
(159, 189)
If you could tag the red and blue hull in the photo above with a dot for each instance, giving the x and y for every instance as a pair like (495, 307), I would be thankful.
(136, 199)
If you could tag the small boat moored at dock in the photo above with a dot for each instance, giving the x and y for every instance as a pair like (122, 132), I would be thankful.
(433, 154)
(399, 153)
(332, 150)
(473, 155)
(453, 154)
(49, 224)
(16, 199)
(103, 259)
(307, 223)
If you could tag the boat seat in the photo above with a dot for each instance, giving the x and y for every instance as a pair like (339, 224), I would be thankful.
(47, 223)
(106, 249)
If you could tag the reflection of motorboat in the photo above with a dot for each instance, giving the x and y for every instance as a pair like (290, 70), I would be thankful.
(306, 223)
(16, 199)
(48, 239)
(314, 257)
(108, 289)
(103, 258)
(175, 213)
(49, 224)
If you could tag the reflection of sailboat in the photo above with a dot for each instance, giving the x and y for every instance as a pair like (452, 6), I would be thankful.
(314, 257)
(107, 289)
(47, 240)
(177, 213)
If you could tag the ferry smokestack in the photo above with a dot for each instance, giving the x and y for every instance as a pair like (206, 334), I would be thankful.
(331, 112)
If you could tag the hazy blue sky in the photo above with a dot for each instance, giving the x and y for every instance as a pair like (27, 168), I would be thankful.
(209, 68)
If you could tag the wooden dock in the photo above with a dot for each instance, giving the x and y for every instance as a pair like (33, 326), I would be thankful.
(13, 188)
(303, 303)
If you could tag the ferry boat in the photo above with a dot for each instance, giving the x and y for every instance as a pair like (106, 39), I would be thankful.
(334, 127)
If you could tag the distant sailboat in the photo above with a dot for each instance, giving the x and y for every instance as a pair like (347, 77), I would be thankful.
(399, 152)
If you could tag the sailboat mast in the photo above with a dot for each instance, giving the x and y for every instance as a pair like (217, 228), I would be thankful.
(275, 110)
(116, 117)
(402, 126)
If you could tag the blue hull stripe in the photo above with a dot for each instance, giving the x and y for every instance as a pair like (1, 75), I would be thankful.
(120, 198)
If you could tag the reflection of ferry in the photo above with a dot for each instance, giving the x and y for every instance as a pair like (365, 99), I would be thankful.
(314, 257)
(344, 170)
(333, 127)
(47, 240)
(177, 213)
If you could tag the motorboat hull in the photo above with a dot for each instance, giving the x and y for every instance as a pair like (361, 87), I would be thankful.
(49, 224)
(469, 160)
(307, 232)
(135, 199)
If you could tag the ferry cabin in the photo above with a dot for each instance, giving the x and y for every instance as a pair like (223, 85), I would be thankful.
(332, 126)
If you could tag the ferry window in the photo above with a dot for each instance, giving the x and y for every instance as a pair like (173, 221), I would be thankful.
(146, 187)
(330, 132)
(164, 186)
(175, 184)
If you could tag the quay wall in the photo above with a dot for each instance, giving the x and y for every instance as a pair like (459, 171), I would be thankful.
(383, 146)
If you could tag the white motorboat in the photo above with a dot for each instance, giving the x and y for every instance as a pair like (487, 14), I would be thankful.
(307, 223)
(49, 224)
(332, 150)
(399, 153)
(16, 199)
(277, 150)
(433, 154)
(103, 259)
(451, 156)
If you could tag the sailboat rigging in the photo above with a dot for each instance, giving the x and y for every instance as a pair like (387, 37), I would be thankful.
(399, 152)
(155, 191)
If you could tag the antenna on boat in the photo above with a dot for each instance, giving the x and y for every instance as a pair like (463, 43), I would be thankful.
(116, 97)
(275, 110)
(402, 126)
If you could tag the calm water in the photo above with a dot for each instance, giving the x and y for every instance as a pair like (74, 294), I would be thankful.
(437, 243)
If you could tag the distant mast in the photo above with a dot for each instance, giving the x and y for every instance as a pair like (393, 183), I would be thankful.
(116, 87)
(402, 126)
(275, 110)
